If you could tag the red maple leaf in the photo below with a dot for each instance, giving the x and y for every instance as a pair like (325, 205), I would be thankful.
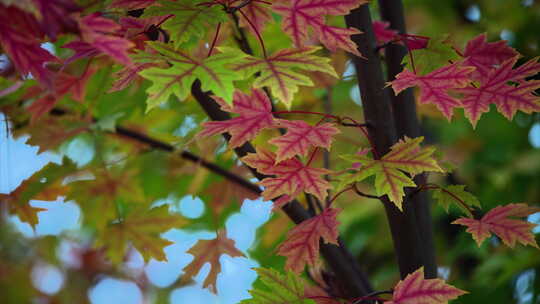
(382, 31)
(292, 176)
(415, 289)
(497, 221)
(485, 56)
(55, 16)
(299, 15)
(302, 244)
(100, 35)
(64, 83)
(21, 41)
(255, 114)
(506, 88)
(435, 86)
(300, 137)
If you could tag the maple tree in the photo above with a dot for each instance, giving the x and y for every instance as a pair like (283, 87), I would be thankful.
(151, 83)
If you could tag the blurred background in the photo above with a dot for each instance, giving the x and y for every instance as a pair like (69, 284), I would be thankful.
(499, 161)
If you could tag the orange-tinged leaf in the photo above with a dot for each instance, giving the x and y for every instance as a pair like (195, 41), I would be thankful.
(279, 71)
(497, 221)
(404, 156)
(141, 228)
(505, 87)
(255, 115)
(415, 289)
(302, 244)
(435, 86)
(300, 15)
(301, 136)
(292, 177)
(209, 251)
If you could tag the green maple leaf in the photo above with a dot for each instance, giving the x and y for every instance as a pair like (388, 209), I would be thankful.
(439, 52)
(406, 156)
(455, 194)
(283, 289)
(279, 72)
(190, 20)
(141, 228)
(184, 69)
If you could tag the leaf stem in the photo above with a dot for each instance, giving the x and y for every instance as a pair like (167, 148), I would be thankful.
(214, 40)
(256, 33)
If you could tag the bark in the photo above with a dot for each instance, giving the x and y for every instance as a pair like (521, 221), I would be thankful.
(379, 114)
(407, 124)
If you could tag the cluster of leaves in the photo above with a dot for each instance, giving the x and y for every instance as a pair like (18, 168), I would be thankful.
(166, 46)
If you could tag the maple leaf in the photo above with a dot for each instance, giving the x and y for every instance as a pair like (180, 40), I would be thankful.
(278, 71)
(283, 288)
(383, 32)
(506, 88)
(209, 251)
(53, 131)
(405, 156)
(55, 16)
(255, 114)
(189, 19)
(141, 228)
(100, 195)
(258, 12)
(128, 74)
(485, 56)
(99, 36)
(437, 53)
(185, 69)
(292, 176)
(497, 221)
(45, 184)
(302, 244)
(415, 289)
(299, 15)
(300, 137)
(456, 195)
(21, 41)
(63, 84)
(434, 86)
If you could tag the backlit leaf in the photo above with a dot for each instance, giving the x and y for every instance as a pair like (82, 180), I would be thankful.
(498, 221)
(455, 195)
(185, 69)
(301, 15)
(301, 136)
(279, 71)
(255, 114)
(485, 56)
(302, 244)
(45, 184)
(141, 228)
(415, 289)
(406, 156)
(505, 87)
(189, 19)
(209, 251)
(435, 86)
(281, 288)
(292, 176)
